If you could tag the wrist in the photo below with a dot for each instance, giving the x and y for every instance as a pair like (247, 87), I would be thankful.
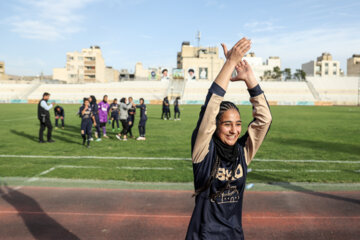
(251, 82)
(231, 62)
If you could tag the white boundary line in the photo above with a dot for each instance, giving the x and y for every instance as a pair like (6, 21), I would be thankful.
(32, 179)
(173, 158)
(16, 119)
(128, 168)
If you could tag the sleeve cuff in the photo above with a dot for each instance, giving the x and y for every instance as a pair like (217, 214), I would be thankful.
(255, 91)
(216, 89)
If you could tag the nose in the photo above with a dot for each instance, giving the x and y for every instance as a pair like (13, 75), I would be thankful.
(232, 129)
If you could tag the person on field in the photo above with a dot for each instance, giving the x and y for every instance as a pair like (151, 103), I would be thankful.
(176, 109)
(143, 119)
(164, 108)
(87, 120)
(220, 158)
(59, 114)
(44, 118)
(131, 118)
(96, 122)
(103, 114)
(114, 114)
(124, 108)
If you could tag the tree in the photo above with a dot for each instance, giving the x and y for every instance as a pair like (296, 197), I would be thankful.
(277, 73)
(300, 75)
(266, 76)
(287, 73)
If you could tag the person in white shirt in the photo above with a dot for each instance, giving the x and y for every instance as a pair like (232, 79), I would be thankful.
(44, 118)
(165, 76)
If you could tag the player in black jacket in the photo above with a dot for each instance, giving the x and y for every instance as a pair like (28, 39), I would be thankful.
(59, 114)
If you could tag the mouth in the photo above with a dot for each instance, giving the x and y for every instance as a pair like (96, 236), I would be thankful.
(231, 137)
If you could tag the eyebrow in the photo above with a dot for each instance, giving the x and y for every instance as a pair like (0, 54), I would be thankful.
(231, 121)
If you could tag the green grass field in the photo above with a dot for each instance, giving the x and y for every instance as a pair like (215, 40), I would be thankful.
(297, 133)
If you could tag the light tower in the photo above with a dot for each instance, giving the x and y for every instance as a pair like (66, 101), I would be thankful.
(198, 36)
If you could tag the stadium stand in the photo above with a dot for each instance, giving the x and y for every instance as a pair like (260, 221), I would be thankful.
(316, 91)
(339, 91)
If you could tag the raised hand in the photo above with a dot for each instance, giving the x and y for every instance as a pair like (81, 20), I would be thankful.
(237, 52)
(245, 73)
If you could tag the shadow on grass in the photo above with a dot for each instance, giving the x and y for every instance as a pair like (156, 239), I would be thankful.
(321, 145)
(277, 182)
(38, 222)
(71, 128)
(23, 134)
(35, 138)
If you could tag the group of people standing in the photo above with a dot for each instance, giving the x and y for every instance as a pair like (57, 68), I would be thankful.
(166, 113)
(95, 115)
(99, 114)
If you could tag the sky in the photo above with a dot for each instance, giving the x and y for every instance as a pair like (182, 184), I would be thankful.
(35, 35)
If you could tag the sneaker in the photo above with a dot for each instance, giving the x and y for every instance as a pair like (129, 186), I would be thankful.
(118, 137)
(51, 141)
(98, 140)
(105, 136)
(62, 128)
(88, 146)
(125, 139)
(41, 141)
(141, 138)
(91, 139)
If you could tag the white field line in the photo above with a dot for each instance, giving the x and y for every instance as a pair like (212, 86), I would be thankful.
(173, 158)
(32, 179)
(17, 119)
(128, 168)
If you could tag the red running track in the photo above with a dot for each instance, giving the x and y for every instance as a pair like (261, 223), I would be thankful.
(69, 213)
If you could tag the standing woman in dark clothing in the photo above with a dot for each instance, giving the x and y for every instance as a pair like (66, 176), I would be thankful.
(143, 119)
(131, 118)
(176, 109)
(220, 158)
(167, 108)
(87, 119)
(95, 112)
(114, 114)
(59, 114)
(164, 109)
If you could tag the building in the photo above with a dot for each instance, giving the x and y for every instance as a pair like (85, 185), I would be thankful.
(353, 66)
(151, 73)
(259, 67)
(2, 71)
(85, 67)
(201, 63)
(323, 66)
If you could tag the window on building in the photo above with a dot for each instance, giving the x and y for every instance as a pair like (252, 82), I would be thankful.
(326, 73)
(326, 64)
(334, 64)
(334, 72)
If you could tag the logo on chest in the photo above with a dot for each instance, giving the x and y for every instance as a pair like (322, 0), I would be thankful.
(224, 174)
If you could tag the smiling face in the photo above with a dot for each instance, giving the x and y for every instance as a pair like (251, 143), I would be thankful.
(229, 127)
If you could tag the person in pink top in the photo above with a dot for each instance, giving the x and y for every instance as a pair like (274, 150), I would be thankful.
(103, 114)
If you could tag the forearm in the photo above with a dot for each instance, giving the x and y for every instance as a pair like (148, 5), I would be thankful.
(251, 82)
(224, 75)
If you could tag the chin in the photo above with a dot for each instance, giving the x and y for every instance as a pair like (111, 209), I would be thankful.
(230, 142)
